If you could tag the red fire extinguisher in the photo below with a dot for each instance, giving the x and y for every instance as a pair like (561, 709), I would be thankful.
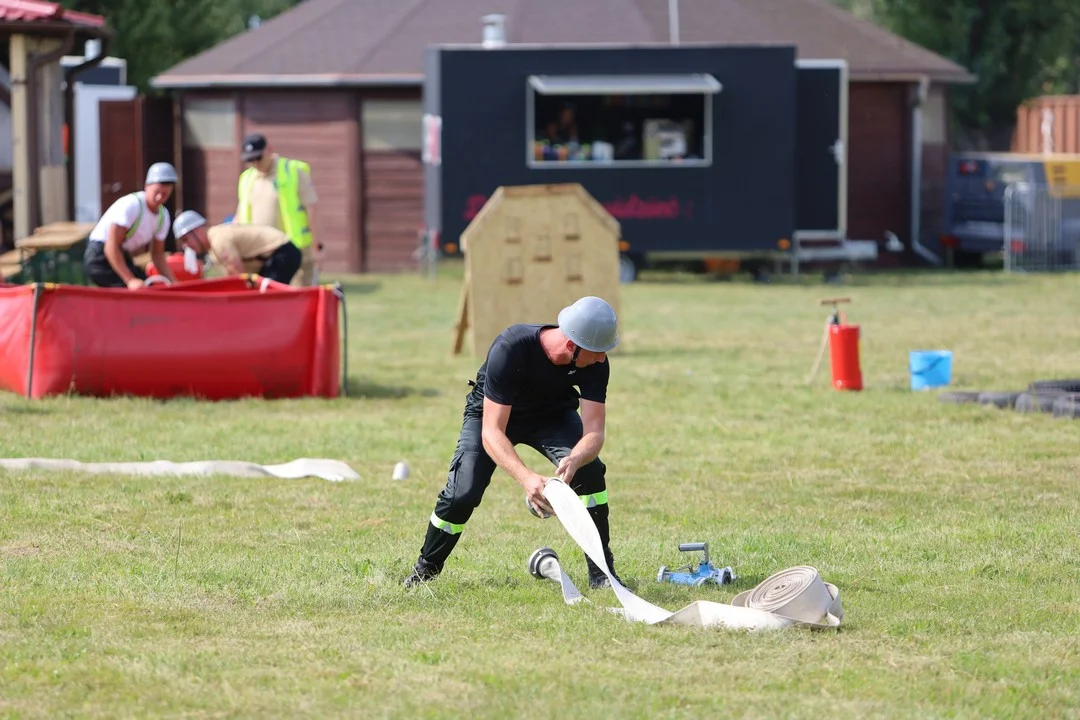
(843, 349)
(843, 342)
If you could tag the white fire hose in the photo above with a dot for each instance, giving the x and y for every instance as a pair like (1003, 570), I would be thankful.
(332, 470)
(796, 597)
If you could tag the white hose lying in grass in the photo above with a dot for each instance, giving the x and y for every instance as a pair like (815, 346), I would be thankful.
(793, 597)
(332, 470)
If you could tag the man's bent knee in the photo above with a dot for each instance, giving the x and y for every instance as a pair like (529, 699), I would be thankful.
(590, 478)
(470, 475)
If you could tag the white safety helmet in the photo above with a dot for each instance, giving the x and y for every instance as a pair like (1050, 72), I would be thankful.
(591, 324)
(185, 222)
(160, 172)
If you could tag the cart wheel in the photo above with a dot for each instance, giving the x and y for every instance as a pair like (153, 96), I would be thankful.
(542, 514)
(536, 557)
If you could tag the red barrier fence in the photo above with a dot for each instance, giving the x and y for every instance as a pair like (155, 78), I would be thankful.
(217, 339)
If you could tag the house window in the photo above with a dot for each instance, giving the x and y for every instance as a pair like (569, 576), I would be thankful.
(934, 114)
(393, 125)
(597, 121)
(210, 123)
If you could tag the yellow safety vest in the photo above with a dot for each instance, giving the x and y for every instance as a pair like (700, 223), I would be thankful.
(138, 219)
(294, 217)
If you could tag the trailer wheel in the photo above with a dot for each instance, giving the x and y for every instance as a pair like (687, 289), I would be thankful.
(628, 269)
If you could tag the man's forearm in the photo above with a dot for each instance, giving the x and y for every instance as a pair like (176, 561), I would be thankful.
(500, 450)
(157, 255)
(588, 447)
(119, 264)
(312, 227)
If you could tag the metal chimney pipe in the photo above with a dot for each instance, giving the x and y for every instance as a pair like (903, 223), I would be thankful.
(494, 30)
(673, 21)
(92, 49)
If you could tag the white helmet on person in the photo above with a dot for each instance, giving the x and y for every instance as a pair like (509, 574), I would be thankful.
(160, 172)
(590, 323)
(187, 221)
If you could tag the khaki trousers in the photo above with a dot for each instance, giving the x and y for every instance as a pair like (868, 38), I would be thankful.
(306, 276)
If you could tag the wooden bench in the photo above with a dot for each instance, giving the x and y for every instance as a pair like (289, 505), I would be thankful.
(59, 247)
(11, 263)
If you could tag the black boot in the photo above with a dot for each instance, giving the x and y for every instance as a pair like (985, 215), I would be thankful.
(422, 572)
(597, 578)
(438, 546)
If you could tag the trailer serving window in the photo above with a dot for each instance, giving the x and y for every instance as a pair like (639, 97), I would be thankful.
(597, 121)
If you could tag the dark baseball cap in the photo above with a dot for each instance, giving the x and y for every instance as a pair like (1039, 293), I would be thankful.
(253, 148)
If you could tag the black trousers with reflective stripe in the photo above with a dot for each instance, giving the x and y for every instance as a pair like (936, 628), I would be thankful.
(471, 470)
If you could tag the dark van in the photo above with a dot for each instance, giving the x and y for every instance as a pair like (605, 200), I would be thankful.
(974, 222)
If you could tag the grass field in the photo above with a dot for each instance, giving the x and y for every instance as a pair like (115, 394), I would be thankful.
(951, 530)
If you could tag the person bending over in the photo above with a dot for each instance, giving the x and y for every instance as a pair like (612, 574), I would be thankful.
(240, 249)
(525, 393)
(132, 224)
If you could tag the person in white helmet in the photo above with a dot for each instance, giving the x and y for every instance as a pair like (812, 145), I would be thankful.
(525, 393)
(239, 249)
(132, 224)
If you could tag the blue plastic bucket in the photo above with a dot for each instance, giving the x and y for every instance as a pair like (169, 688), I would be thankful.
(930, 368)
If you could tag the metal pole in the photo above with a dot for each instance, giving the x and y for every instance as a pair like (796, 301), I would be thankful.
(340, 293)
(433, 259)
(33, 337)
(673, 21)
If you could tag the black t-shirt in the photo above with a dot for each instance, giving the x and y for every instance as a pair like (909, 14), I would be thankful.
(518, 373)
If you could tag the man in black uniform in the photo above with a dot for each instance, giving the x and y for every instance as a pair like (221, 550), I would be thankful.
(524, 393)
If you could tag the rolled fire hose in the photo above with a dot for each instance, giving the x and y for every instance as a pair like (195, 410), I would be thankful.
(794, 597)
(332, 470)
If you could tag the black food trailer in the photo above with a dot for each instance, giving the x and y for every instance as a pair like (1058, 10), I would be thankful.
(699, 151)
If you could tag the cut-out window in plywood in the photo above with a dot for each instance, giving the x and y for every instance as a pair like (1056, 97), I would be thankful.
(542, 247)
(515, 271)
(573, 268)
(513, 229)
(571, 228)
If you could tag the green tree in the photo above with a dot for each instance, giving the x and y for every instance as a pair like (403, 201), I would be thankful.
(1018, 49)
(154, 36)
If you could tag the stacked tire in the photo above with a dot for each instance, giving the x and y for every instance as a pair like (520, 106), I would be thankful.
(1060, 398)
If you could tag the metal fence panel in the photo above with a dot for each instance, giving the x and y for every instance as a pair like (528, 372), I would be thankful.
(1042, 228)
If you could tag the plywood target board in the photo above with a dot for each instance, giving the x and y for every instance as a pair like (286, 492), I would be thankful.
(531, 251)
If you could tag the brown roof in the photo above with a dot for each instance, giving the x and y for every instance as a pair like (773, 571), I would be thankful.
(365, 42)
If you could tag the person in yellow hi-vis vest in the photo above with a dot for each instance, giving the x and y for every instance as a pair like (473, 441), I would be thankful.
(279, 192)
